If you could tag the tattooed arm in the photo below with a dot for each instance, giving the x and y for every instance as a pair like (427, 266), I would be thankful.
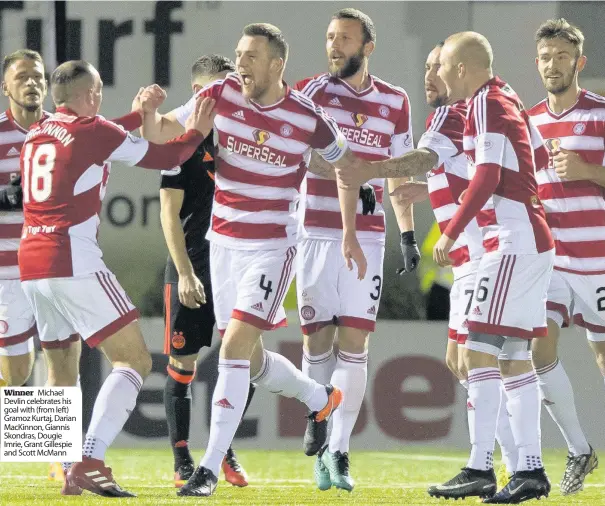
(319, 167)
(352, 171)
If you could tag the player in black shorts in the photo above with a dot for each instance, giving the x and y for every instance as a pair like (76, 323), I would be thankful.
(186, 203)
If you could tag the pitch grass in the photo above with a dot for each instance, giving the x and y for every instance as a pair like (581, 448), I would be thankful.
(282, 478)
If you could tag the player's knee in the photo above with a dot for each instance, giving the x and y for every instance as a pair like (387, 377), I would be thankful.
(146, 365)
(142, 364)
(63, 378)
(19, 371)
(543, 354)
(319, 342)
(353, 340)
(600, 357)
(462, 371)
(452, 365)
(185, 363)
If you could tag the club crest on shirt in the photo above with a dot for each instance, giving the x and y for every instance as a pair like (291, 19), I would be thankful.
(579, 128)
(359, 119)
(384, 111)
(286, 130)
(261, 136)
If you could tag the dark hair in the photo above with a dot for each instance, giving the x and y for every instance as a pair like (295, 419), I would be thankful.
(367, 25)
(66, 74)
(440, 44)
(211, 65)
(561, 29)
(20, 54)
(274, 37)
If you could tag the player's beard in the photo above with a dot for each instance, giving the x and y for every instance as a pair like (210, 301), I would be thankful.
(23, 105)
(350, 68)
(567, 81)
(438, 102)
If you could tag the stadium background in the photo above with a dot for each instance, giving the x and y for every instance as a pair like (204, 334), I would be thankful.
(411, 396)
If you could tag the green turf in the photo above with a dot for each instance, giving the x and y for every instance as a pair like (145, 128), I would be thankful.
(278, 478)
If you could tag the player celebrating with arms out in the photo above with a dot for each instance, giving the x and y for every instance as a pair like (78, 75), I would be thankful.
(186, 206)
(265, 132)
(572, 122)
(375, 117)
(64, 167)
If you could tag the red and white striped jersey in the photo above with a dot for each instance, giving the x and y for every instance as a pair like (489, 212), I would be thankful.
(575, 210)
(446, 182)
(261, 160)
(499, 135)
(64, 167)
(12, 136)
(377, 125)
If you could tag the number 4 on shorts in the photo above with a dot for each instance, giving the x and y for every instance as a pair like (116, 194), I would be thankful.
(266, 287)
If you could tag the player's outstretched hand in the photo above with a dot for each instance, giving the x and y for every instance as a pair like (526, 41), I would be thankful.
(441, 251)
(202, 117)
(411, 192)
(351, 250)
(191, 291)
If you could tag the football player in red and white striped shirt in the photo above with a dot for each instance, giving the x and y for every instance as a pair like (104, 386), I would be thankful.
(571, 188)
(64, 164)
(509, 307)
(265, 133)
(446, 183)
(25, 86)
(375, 118)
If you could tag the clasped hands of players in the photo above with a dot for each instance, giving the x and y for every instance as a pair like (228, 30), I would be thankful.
(149, 99)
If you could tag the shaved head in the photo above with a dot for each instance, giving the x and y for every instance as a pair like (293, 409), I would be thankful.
(470, 48)
(77, 84)
(71, 79)
(465, 64)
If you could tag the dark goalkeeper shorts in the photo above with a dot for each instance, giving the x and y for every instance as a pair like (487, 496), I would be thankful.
(186, 330)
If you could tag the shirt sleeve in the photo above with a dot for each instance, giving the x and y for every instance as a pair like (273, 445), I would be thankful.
(212, 90)
(481, 188)
(402, 139)
(116, 145)
(492, 126)
(327, 140)
(491, 143)
(444, 131)
(129, 122)
(300, 85)
(174, 178)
